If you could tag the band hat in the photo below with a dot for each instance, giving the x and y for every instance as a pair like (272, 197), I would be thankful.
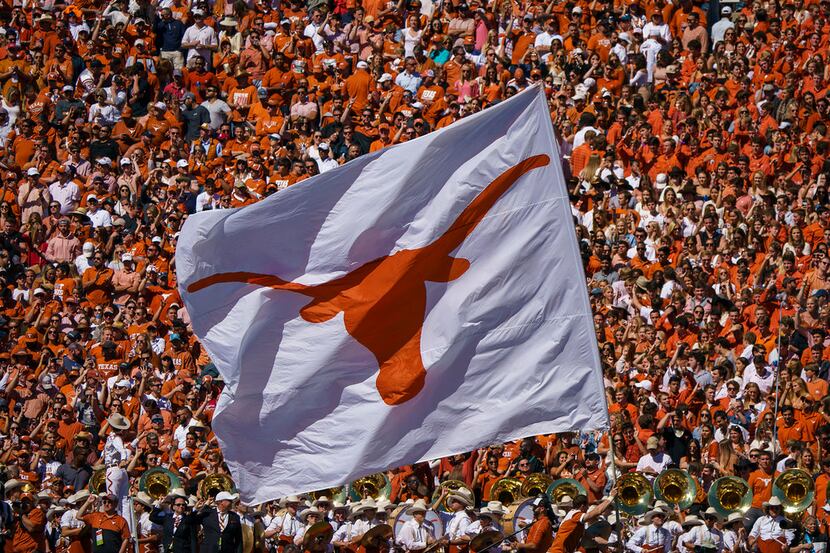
(365, 505)
(562, 507)
(226, 496)
(653, 513)
(735, 517)
(496, 508)
(690, 521)
(290, 499)
(144, 499)
(711, 512)
(78, 496)
(321, 499)
(463, 496)
(419, 506)
(13, 484)
(174, 493)
(773, 502)
(310, 511)
(118, 421)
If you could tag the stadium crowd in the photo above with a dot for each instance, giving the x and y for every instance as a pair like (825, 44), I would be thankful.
(695, 138)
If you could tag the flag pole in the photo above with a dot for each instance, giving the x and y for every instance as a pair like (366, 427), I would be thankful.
(618, 524)
(134, 525)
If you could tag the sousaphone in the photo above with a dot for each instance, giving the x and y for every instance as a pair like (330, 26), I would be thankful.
(214, 483)
(729, 494)
(98, 483)
(634, 493)
(675, 487)
(562, 487)
(157, 482)
(450, 486)
(369, 486)
(506, 490)
(796, 490)
(536, 484)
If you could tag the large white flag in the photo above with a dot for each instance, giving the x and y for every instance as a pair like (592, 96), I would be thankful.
(419, 301)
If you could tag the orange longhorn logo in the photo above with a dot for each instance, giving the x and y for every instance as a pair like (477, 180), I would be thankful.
(384, 301)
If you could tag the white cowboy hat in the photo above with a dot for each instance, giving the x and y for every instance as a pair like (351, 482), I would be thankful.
(144, 499)
(463, 496)
(290, 499)
(418, 506)
(12, 484)
(691, 520)
(711, 512)
(561, 508)
(226, 496)
(495, 508)
(310, 511)
(78, 496)
(734, 517)
(321, 499)
(337, 506)
(118, 421)
(653, 513)
(174, 493)
(773, 502)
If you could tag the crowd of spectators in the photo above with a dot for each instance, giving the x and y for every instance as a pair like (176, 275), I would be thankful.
(694, 137)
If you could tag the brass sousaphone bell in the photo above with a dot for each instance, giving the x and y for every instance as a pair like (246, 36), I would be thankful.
(98, 483)
(729, 494)
(157, 482)
(536, 484)
(369, 486)
(212, 484)
(506, 490)
(634, 493)
(796, 490)
(558, 489)
(675, 487)
(450, 486)
(333, 494)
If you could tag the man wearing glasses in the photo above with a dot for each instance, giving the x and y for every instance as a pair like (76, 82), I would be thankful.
(108, 530)
(178, 528)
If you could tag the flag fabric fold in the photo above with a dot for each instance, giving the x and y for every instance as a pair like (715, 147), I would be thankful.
(419, 301)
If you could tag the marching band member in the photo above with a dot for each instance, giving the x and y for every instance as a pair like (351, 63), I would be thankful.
(289, 523)
(652, 538)
(688, 525)
(364, 519)
(459, 501)
(417, 533)
(768, 533)
(341, 537)
(323, 504)
(309, 517)
(734, 533)
(540, 532)
(339, 516)
(489, 519)
(706, 532)
(572, 527)
(149, 533)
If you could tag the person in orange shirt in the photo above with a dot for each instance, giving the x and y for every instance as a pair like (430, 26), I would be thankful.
(760, 482)
(97, 281)
(28, 536)
(572, 526)
(358, 86)
(540, 537)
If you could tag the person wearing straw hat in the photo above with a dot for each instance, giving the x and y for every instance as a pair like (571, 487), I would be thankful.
(652, 537)
(417, 533)
(339, 515)
(178, 524)
(73, 530)
(688, 524)
(364, 519)
(149, 533)
(288, 524)
(487, 519)
(459, 501)
(768, 533)
(343, 532)
(706, 532)
(309, 517)
(734, 533)
(572, 526)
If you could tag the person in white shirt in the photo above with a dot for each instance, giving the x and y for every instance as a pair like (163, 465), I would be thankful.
(724, 23)
(99, 217)
(287, 526)
(308, 517)
(459, 501)
(489, 519)
(706, 533)
(767, 532)
(689, 525)
(655, 461)
(325, 163)
(663, 33)
(652, 538)
(734, 533)
(148, 531)
(339, 516)
(364, 519)
(71, 527)
(200, 39)
(417, 533)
